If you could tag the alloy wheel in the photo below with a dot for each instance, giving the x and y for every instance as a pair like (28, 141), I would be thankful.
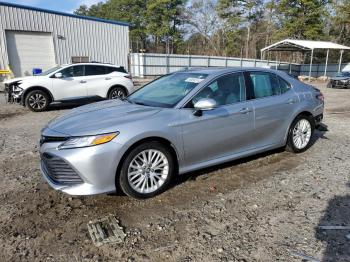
(302, 133)
(117, 93)
(148, 171)
(37, 101)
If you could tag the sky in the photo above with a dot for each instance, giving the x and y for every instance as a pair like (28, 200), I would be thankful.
(67, 6)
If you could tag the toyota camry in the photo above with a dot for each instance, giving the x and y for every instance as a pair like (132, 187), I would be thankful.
(178, 123)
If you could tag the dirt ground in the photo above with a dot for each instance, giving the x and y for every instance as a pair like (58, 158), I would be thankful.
(263, 208)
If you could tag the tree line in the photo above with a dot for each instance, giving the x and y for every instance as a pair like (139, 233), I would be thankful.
(238, 28)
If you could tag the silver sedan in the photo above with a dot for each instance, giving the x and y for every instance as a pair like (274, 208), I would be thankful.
(180, 122)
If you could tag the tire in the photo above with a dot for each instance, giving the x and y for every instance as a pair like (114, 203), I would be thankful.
(37, 100)
(300, 134)
(117, 92)
(142, 183)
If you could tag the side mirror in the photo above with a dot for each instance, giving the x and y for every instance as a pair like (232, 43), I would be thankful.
(58, 75)
(204, 104)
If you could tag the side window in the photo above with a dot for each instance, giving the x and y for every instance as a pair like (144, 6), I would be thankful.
(78, 70)
(110, 69)
(72, 71)
(264, 84)
(92, 70)
(225, 90)
(283, 84)
(67, 72)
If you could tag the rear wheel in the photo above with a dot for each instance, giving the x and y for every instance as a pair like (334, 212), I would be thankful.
(37, 100)
(117, 92)
(147, 170)
(300, 134)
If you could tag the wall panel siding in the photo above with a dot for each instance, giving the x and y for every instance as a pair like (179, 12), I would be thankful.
(101, 41)
(158, 64)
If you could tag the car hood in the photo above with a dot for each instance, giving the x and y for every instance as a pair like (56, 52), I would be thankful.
(9, 81)
(99, 118)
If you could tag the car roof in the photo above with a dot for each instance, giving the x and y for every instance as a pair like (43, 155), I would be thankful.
(220, 70)
(92, 63)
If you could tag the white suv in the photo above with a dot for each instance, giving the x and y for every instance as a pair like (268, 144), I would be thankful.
(68, 83)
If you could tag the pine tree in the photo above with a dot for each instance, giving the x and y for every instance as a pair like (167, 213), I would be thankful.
(302, 19)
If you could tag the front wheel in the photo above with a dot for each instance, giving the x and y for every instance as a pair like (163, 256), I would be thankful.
(147, 170)
(117, 92)
(37, 101)
(300, 134)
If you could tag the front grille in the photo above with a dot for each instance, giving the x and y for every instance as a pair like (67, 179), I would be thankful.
(340, 83)
(52, 139)
(59, 171)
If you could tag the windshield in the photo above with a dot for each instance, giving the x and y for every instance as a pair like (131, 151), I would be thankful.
(45, 73)
(168, 90)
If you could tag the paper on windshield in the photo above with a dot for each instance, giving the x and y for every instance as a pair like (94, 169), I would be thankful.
(194, 80)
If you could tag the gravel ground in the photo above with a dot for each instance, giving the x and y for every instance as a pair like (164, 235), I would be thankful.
(263, 208)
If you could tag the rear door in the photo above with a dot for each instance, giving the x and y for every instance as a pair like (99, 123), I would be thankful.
(72, 84)
(96, 79)
(273, 104)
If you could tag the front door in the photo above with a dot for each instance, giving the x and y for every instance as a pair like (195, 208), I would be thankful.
(223, 131)
(72, 84)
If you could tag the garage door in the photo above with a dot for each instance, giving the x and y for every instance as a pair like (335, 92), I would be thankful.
(28, 50)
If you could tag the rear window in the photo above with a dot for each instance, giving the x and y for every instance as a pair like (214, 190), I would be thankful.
(284, 85)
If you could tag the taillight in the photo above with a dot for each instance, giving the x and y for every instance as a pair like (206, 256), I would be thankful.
(320, 97)
(128, 76)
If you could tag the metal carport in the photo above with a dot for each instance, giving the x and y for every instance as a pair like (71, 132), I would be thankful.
(294, 45)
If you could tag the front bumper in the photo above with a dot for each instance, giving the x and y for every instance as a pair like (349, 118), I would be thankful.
(340, 83)
(13, 93)
(318, 119)
(93, 168)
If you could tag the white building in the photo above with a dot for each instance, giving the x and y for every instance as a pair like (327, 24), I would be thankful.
(38, 38)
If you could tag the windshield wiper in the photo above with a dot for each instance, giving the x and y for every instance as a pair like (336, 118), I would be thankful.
(127, 99)
(140, 103)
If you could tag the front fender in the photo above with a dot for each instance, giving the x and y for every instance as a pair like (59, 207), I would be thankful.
(27, 90)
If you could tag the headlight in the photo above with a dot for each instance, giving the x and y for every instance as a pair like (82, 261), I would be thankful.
(17, 89)
(85, 141)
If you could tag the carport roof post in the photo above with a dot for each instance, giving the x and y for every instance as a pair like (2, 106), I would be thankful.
(325, 68)
(310, 70)
(340, 60)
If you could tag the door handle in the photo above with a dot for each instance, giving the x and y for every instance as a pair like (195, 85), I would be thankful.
(108, 78)
(291, 101)
(245, 110)
(82, 82)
